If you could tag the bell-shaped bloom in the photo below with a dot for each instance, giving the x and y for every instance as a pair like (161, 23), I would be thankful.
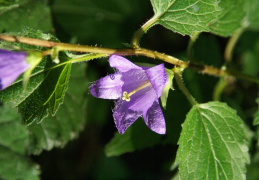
(12, 65)
(137, 90)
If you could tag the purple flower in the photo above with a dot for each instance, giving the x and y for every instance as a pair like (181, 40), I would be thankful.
(12, 65)
(137, 90)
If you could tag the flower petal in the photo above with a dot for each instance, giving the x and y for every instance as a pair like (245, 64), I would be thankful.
(154, 118)
(142, 99)
(157, 77)
(123, 116)
(133, 79)
(108, 87)
(12, 65)
(121, 63)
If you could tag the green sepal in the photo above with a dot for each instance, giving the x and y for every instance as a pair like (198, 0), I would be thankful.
(168, 86)
(33, 59)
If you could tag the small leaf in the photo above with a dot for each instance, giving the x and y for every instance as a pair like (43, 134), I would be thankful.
(169, 85)
(13, 141)
(135, 138)
(33, 59)
(212, 144)
(185, 17)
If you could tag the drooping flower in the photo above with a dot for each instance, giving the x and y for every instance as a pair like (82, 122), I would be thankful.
(12, 65)
(137, 90)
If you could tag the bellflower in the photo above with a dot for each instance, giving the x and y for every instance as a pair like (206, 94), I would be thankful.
(12, 65)
(137, 90)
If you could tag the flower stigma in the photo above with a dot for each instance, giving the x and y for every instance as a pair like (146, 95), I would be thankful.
(126, 96)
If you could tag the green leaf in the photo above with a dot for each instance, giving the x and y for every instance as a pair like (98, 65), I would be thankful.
(34, 14)
(185, 17)
(69, 120)
(44, 93)
(236, 14)
(212, 144)
(135, 138)
(231, 18)
(13, 141)
(251, 20)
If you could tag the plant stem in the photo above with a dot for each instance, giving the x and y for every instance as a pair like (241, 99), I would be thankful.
(191, 43)
(178, 78)
(231, 44)
(137, 35)
(140, 51)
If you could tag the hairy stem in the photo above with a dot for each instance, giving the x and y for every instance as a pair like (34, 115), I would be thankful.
(140, 51)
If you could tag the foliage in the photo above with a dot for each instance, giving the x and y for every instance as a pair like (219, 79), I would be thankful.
(208, 139)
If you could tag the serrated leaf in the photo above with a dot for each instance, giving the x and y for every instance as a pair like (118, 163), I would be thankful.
(44, 93)
(212, 144)
(135, 138)
(69, 120)
(13, 141)
(185, 17)
(34, 14)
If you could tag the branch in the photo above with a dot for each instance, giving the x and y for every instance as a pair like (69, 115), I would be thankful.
(125, 52)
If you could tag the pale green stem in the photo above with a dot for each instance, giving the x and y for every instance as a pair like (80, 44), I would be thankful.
(231, 44)
(179, 80)
(137, 35)
(191, 42)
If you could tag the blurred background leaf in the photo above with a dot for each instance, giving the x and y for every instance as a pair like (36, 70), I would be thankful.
(14, 162)
(34, 14)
